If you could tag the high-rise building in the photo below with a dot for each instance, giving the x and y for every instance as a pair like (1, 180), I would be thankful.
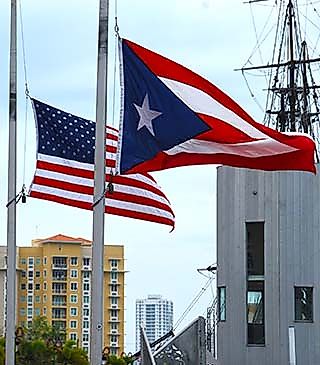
(54, 280)
(156, 315)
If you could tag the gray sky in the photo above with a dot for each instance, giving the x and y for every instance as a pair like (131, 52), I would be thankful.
(61, 52)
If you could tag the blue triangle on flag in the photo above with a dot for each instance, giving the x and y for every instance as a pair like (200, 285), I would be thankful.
(154, 118)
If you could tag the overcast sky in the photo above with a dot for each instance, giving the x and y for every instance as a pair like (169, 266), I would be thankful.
(61, 52)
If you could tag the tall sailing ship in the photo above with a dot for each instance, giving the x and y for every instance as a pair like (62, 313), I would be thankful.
(292, 103)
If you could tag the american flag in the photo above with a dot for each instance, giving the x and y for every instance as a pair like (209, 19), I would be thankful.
(65, 169)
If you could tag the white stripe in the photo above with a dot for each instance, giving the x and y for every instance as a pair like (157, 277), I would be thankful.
(109, 202)
(64, 177)
(111, 142)
(112, 131)
(127, 189)
(138, 208)
(144, 179)
(65, 162)
(139, 192)
(72, 163)
(267, 147)
(200, 102)
(62, 193)
(111, 156)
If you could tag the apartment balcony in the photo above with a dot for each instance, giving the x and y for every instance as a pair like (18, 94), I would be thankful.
(59, 316)
(59, 278)
(57, 266)
(59, 291)
(59, 304)
(59, 324)
(58, 313)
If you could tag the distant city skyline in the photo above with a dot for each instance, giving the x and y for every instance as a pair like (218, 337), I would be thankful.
(155, 314)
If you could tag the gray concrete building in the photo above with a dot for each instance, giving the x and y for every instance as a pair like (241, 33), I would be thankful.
(268, 277)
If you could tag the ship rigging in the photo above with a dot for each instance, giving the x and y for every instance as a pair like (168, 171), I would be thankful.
(292, 103)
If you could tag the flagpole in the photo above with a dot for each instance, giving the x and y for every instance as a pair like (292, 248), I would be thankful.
(96, 325)
(11, 206)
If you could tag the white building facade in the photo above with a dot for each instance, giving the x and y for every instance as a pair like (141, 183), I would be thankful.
(155, 314)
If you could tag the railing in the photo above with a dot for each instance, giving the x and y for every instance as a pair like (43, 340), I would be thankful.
(59, 316)
(59, 278)
(59, 266)
(59, 291)
(59, 304)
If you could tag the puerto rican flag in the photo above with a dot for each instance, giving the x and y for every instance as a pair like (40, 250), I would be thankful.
(172, 117)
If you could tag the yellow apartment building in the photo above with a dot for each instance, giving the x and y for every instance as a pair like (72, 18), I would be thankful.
(54, 280)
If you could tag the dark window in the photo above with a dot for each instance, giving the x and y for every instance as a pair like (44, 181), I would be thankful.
(23, 286)
(303, 303)
(255, 249)
(86, 261)
(74, 260)
(222, 303)
(255, 313)
(255, 283)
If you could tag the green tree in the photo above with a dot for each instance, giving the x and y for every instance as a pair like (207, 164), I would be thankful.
(41, 329)
(43, 344)
(2, 350)
(72, 355)
(33, 352)
(114, 360)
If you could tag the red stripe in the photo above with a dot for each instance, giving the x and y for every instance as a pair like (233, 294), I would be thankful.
(112, 137)
(139, 215)
(110, 163)
(73, 171)
(88, 190)
(63, 185)
(88, 174)
(111, 149)
(137, 199)
(151, 178)
(297, 160)
(222, 132)
(109, 210)
(112, 128)
(127, 181)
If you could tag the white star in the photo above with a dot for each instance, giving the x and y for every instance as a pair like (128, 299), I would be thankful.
(146, 115)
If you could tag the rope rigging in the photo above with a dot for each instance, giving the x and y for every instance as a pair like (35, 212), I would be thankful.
(196, 298)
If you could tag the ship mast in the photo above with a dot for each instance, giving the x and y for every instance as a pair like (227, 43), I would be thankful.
(292, 102)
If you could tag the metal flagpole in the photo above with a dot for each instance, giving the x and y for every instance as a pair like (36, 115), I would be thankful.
(96, 325)
(11, 206)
